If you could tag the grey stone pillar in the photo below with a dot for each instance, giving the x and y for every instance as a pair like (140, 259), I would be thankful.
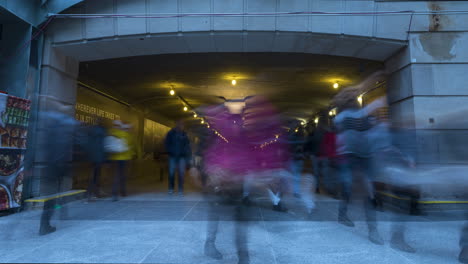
(428, 92)
(58, 79)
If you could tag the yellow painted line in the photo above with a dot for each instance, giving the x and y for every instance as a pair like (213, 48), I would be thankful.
(54, 197)
(394, 196)
(424, 202)
(443, 202)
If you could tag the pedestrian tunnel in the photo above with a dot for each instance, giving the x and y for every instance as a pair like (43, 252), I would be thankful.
(151, 93)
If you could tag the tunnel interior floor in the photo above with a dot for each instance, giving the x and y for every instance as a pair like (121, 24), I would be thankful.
(159, 228)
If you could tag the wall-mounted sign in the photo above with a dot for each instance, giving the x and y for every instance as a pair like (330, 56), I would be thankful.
(89, 114)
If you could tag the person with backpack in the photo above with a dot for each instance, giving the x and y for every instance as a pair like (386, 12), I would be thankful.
(120, 146)
(178, 147)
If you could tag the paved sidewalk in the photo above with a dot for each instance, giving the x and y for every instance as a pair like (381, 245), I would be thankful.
(157, 228)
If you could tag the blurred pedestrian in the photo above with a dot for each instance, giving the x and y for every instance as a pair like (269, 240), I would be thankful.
(228, 158)
(121, 148)
(313, 148)
(355, 148)
(325, 159)
(178, 147)
(58, 130)
(97, 156)
(296, 141)
(463, 255)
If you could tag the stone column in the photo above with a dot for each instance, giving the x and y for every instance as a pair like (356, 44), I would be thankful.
(59, 80)
(428, 92)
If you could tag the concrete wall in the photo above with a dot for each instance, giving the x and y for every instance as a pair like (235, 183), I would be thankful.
(428, 92)
(368, 37)
(27, 10)
(14, 61)
(34, 12)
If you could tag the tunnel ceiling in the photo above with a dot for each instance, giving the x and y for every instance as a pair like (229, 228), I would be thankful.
(299, 84)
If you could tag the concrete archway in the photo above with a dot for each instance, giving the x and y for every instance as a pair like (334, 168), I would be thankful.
(411, 54)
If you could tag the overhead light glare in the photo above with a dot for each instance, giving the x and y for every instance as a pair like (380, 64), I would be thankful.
(336, 85)
(233, 82)
(359, 99)
(172, 92)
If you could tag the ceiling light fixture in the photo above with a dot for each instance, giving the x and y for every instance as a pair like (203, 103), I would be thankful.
(185, 108)
(359, 99)
(202, 121)
(195, 115)
(316, 120)
(234, 82)
(336, 85)
(172, 92)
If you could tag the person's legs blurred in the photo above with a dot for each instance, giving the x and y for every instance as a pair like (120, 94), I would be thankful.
(242, 221)
(326, 177)
(398, 240)
(119, 180)
(56, 173)
(308, 197)
(316, 163)
(93, 188)
(463, 256)
(47, 213)
(246, 189)
(172, 169)
(368, 167)
(296, 170)
(123, 177)
(371, 219)
(213, 223)
(281, 183)
(181, 174)
(346, 180)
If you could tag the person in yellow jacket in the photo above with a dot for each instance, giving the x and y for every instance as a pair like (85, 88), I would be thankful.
(121, 131)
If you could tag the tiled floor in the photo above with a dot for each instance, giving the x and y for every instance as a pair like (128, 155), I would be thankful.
(157, 228)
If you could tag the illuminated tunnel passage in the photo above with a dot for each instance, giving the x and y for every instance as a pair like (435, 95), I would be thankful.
(153, 92)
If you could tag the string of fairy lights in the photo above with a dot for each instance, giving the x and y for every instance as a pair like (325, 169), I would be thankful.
(203, 121)
(186, 107)
(266, 144)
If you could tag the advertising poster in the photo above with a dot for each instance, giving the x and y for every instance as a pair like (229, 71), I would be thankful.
(14, 118)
